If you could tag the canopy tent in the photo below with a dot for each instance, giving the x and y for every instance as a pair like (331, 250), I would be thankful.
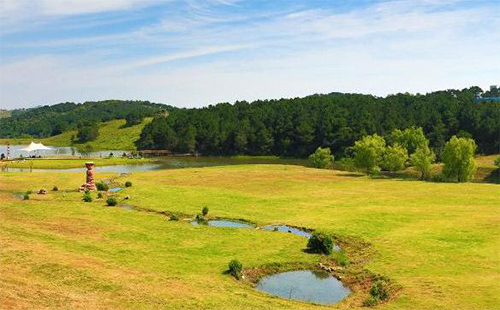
(35, 147)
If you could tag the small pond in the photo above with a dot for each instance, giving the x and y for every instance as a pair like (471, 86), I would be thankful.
(226, 223)
(292, 230)
(306, 285)
(287, 229)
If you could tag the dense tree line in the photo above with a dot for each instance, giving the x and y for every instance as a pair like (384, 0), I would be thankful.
(297, 127)
(52, 120)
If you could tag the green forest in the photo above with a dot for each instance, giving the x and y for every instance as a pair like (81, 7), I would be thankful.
(46, 121)
(297, 127)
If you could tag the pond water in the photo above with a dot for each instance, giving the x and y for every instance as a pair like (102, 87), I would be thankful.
(161, 163)
(226, 223)
(115, 168)
(15, 151)
(287, 229)
(306, 285)
(292, 230)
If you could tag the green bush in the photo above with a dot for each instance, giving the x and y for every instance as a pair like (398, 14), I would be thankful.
(102, 186)
(111, 201)
(204, 211)
(371, 301)
(322, 158)
(128, 184)
(320, 243)
(99, 195)
(29, 192)
(236, 269)
(379, 290)
(26, 196)
(342, 259)
(174, 217)
(201, 220)
(55, 188)
(86, 197)
(497, 162)
(378, 293)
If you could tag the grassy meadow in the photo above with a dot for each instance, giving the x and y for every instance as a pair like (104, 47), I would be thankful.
(438, 241)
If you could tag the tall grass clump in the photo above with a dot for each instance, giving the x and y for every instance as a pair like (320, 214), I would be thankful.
(111, 201)
(378, 292)
(204, 211)
(236, 269)
(101, 186)
(87, 197)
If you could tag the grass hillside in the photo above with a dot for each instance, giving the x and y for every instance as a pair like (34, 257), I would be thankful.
(112, 136)
(438, 241)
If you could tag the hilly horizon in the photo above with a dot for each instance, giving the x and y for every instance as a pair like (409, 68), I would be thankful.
(351, 116)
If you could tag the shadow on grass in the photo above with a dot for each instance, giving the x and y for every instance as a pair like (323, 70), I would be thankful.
(493, 177)
(352, 175)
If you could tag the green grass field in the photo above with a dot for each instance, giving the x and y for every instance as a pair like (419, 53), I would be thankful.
(439, 241)
(112, 136)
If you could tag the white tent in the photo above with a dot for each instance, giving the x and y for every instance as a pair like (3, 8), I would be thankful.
(35, 147)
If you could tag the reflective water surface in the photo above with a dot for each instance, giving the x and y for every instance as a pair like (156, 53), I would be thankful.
(226, 223)
(306, 285)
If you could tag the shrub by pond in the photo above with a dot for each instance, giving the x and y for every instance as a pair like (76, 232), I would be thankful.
(111, 201)
(26, 196)
(128, 184)
(204, 211)
(320, 243)
(235, 269)
(174, 217)
(378, 292)
(102, 186)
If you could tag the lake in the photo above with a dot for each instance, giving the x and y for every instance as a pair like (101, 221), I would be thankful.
(161, 163)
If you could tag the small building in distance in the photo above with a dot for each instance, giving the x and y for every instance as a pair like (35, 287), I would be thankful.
(493, 95)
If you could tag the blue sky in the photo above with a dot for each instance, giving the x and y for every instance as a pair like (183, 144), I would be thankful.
(198, 52)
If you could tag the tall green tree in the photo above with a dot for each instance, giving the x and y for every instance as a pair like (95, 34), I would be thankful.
(458, 159)
(394, 158)
(368, 152)
(409, 138)
(422, 160)
(87, 133)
